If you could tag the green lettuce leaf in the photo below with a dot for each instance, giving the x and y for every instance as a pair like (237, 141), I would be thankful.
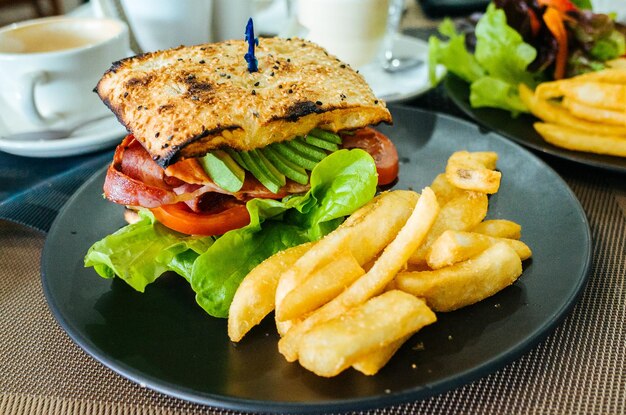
(496, 93)
(139, 253)
(501, 51)
(340, 184)
(452, 54)
(497, 66)
(583, 4)
(609, 47)
(218, 272)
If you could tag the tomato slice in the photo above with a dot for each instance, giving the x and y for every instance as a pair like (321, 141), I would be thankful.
(182, 219)
(380, 148)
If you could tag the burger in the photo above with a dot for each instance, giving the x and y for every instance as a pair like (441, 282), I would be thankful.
(227, 163)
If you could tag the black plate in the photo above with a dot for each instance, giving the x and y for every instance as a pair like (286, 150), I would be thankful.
(521, 129)
(163, 340)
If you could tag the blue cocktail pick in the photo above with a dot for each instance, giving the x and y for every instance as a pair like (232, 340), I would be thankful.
(252, 42)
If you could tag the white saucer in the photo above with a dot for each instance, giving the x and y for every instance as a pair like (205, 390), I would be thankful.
(405, 85)
(96, 136)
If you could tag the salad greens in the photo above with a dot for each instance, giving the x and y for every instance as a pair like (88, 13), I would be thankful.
(139, 253)
(525, 41)
(496, 68)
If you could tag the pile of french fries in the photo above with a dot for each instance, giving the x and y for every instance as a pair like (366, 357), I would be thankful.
(584, 113)
(354, 297)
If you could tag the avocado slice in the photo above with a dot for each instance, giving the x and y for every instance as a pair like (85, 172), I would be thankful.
(223, 170)
(325, 135)
(234, 154)
(268, 168)
(252, 165)
(318, 142)
(286, 167)
(308, 150)
(294, 156)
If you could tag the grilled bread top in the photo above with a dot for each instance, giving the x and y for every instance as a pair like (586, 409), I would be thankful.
(184, 102)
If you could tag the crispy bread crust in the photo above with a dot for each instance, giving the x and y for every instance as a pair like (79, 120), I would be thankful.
(184, 102)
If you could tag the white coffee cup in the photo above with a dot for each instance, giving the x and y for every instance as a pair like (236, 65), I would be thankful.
(50, 66)
(164, 24)
(353, 30)
(230, 18)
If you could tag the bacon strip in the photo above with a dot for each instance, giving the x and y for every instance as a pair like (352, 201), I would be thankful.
(134, 179)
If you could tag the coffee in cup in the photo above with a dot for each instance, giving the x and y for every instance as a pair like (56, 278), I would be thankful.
(49, 67)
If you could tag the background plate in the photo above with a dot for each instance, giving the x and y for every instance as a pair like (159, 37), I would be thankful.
(521, 129)
(163, 340)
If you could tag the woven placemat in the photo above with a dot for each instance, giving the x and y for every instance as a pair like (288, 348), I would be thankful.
(580, 368)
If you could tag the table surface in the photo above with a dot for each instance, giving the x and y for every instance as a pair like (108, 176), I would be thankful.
(579, 368)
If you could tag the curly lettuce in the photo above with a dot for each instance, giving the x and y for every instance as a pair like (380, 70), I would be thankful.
(496, 68)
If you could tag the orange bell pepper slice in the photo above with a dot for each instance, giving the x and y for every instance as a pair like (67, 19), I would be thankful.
(554, 21)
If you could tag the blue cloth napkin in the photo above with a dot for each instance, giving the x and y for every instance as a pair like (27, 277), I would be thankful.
(33, 190)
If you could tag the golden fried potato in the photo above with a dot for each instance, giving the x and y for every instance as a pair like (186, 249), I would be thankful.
(444, 190)
(550, 90)
(591, 113)
(364, 234)
(467, 282)
(614, 75)
(334, 345)
(555, 113)
(321, 286)
(455, 246)
(577, 140)
(390, 262)
(374, 361)
(598, 94)
(254, 298)
(474, 171)
(460, 214)
(499, 228)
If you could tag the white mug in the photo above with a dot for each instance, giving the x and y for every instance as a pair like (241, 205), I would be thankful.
(164, 24)
(50, 66)
(352, 30)
(230, 18)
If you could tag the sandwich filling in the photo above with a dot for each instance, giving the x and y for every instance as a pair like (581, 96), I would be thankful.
(207, 135)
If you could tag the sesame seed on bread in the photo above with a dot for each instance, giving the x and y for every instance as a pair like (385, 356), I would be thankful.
(183, 102)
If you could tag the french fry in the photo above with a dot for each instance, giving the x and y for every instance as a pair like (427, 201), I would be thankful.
(474, 171)
(461, 214)
(598, 94)
(334, 345)
(550, 90)
(323, 285)
(390, 262)
(374, 361)
(444, 190)
(556, 114)
(454, 246)
(499, 228)
(614, 75)
(254, 298)
(590, 113)
(364, 234)
(465, 283)
(576, 140)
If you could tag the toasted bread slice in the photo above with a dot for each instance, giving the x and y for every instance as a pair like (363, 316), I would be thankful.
(184, 102)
